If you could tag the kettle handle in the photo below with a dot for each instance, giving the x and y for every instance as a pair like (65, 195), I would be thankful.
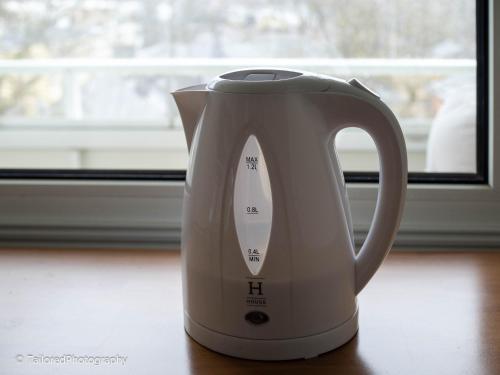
(372, 115)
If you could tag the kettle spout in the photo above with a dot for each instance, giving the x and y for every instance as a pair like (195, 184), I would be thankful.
(190, 103)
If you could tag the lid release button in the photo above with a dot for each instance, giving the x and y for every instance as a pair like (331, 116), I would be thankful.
(260, 77)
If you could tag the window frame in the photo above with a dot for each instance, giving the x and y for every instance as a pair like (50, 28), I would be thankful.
(61, 207)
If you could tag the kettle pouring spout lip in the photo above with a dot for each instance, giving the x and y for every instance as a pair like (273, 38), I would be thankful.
(199, 87)
(190, 102)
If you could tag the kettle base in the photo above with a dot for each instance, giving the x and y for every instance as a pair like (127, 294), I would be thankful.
(273, 350)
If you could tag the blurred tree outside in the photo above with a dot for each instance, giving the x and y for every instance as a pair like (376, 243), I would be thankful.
(96, 29)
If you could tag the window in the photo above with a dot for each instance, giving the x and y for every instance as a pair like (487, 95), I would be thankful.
(85, 85)
(84, 96)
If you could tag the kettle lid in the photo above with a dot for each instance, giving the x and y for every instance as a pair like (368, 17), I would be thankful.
(262, 80)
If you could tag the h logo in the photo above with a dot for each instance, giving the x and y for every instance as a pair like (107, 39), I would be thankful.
(253, 287)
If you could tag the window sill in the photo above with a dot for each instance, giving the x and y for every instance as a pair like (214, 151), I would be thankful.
(148, 214)
(132, 302)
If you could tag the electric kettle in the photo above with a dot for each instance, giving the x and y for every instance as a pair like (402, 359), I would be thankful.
(269, 267)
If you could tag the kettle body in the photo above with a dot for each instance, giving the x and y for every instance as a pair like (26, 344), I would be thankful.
(269, 267)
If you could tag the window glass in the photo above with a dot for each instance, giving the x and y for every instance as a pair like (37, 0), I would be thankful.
(85, 84)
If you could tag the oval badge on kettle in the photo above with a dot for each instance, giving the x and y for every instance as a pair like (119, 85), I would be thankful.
(269, 266)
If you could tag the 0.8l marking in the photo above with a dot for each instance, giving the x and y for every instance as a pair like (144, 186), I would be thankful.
(252, 210)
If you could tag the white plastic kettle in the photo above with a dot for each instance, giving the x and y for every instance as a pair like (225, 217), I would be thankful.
(269, 266)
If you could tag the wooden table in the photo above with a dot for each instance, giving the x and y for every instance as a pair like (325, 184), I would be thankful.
(423, 313)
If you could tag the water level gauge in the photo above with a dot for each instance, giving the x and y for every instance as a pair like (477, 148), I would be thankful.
(253, 206)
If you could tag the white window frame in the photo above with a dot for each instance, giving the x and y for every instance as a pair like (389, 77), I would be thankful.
(145, 214)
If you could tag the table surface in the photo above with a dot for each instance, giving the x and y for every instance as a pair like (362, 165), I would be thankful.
(422, 313)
